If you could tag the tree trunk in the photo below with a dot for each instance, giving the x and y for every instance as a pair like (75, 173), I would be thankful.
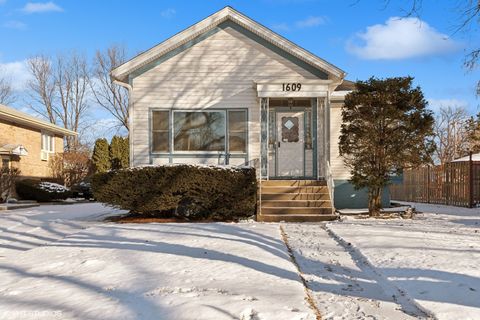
(374, 201)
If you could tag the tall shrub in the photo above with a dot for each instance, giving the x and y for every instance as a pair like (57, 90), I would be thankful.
(119, 152)
(101, 156)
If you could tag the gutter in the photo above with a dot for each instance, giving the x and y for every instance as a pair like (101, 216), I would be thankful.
(20, 119)
(130, 114)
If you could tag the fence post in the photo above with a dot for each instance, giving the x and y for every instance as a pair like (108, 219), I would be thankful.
(428, 184)
(470, 181)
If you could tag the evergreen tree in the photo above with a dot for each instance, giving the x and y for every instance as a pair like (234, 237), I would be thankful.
(100, 156)
(473, 132)
(119, 152)
(386, 127)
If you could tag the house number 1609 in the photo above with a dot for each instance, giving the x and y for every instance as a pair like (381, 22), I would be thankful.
(291, 86)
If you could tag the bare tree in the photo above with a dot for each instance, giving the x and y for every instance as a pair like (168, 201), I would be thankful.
(7, 95)
(59, 91)
(42, 87)
(451, 135)
(108, 95)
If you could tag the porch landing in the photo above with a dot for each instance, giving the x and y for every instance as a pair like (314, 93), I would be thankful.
(295, 201)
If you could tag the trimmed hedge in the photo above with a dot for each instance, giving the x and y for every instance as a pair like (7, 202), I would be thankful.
(185, 191)
(29, 189)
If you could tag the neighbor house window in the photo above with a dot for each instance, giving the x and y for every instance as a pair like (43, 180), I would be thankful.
(160, 133)
(199, 131)
(48, 142)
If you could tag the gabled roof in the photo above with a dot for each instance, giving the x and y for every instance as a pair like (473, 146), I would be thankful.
(122, 72)
(15, 116)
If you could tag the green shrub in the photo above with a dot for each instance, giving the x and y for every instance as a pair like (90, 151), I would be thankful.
(186, 191)
(41, 191)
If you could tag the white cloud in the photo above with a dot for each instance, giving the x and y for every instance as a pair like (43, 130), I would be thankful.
(437, 104)
(14, 24)
(168, 13)
(308, 22)
(281, 27)
(400, 38)
(17, 72)
(41, 7)
(311, 22)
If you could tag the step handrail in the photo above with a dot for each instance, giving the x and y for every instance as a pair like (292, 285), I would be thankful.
(330, 182)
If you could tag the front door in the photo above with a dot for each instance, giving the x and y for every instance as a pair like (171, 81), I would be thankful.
(290, 144)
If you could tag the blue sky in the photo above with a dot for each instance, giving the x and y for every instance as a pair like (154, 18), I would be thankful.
(361, 37)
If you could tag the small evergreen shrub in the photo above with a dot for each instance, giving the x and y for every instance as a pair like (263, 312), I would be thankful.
(41, 191)
(184, 191)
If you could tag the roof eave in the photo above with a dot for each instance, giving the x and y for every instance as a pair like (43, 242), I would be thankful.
(122, 72)
(38, 124)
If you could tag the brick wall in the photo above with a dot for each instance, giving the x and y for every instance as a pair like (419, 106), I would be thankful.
(30, 165)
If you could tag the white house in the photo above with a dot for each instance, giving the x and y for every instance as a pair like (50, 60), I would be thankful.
(228, 90)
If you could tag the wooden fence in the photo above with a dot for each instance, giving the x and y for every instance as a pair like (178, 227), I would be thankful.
(455, 183)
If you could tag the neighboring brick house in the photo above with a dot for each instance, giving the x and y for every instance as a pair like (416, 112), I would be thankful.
(28, 143)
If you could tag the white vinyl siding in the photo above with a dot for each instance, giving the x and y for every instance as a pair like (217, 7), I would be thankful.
(339, 170)
(218, 72)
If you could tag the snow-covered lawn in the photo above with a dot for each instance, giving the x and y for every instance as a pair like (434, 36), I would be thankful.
(63, 262)
(81, 269)
(434, 259)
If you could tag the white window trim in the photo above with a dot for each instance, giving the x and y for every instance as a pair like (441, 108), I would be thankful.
(51, 142)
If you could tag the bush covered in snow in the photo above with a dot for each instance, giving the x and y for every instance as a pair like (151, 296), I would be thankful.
(185, 191)
(41, 191)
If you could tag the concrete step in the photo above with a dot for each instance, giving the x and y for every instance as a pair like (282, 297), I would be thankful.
(295, 210)
(295, 196)
(294, 189)
(296, 203)
(294, 183)
(296, 218)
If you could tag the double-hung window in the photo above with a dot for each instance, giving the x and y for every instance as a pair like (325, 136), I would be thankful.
(47, 145)
(160, 131)
(202, 131)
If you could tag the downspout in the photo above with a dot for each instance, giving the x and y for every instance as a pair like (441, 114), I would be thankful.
(130, 116)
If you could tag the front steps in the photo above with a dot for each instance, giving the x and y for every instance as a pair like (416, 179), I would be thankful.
(295, 201)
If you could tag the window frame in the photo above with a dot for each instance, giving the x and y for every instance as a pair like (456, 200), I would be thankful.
(151, 131)
(227, 126)
(50, 141)
(179, 153)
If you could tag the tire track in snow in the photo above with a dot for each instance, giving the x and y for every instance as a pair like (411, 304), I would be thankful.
(408, 305)
(309, 298)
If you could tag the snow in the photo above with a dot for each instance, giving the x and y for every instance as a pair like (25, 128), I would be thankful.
(344, 287)
(24, 229)
(64, 262)
(195, 165)
(434, 259)
(79, 268)
(52, 187)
